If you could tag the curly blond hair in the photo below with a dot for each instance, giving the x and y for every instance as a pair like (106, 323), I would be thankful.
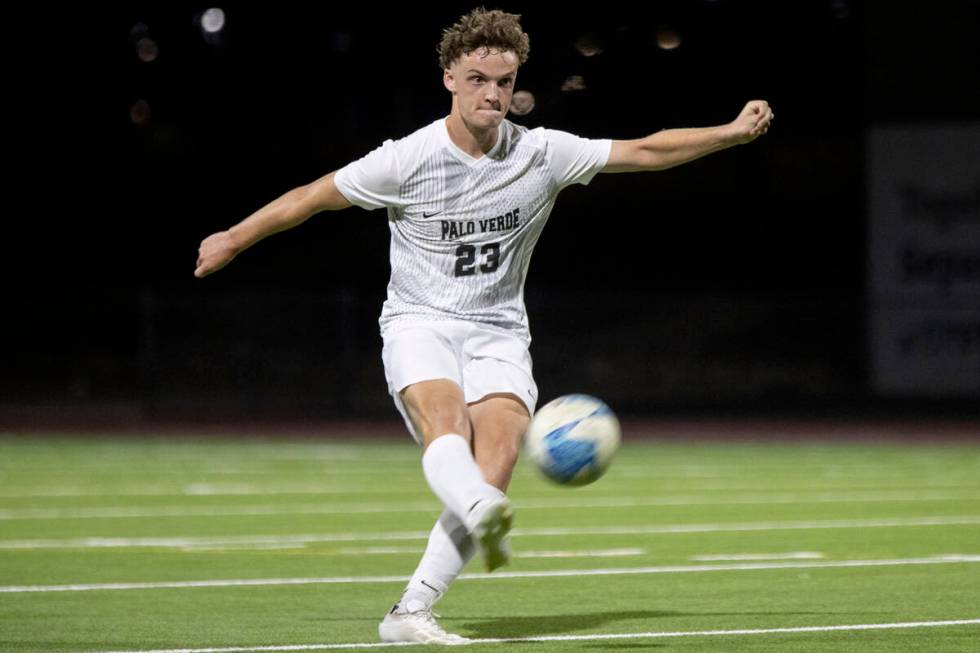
(494, 29)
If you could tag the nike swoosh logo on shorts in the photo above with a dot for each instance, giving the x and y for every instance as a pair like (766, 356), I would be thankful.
(429, 215)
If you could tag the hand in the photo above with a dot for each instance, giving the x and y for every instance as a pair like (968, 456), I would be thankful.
(752, 122)
(215, 252)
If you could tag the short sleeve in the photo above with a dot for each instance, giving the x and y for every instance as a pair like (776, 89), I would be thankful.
(575, 160)
(373, 181)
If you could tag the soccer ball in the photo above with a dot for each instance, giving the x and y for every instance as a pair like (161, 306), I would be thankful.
(572, 439)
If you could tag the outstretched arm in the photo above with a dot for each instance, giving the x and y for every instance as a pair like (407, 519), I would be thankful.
(672, 147)
(286, 212)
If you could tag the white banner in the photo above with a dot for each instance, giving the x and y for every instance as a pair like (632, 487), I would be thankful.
(924, 243)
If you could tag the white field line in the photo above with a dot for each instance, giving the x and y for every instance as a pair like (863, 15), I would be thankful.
(175, 475)
(792, 555)
(580, 638)
(429, 506)
(598, 553)
(367, 463)
(826, 472)
(198, 489)
(241, 489)
(665, 529)
(379, 550)
(417, 550)
(952, 558)
(110, 459)
(217, 511)
(333, 466)
(243, 547)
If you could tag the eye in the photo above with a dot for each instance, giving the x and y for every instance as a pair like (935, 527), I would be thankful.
(506, 82)
(476, 79)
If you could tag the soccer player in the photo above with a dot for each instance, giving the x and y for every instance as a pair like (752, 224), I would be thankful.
(467, 197)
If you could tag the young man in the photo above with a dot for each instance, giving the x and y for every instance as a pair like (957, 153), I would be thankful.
(467, 197)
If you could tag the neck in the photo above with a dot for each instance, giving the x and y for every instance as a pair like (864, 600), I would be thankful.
(473, 141)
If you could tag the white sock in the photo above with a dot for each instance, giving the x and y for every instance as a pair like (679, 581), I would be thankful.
(454, 476)
(448, 551)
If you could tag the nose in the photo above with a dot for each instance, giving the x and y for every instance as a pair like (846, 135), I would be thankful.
(493, 92)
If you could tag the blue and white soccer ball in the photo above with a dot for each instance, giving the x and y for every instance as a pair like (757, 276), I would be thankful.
(572, 439)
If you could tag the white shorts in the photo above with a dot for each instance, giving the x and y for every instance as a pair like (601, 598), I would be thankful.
(482, 360)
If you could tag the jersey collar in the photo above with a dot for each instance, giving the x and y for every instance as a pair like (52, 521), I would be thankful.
(466, 158)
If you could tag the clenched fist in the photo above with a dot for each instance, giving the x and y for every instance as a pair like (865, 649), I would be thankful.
(753, 121)
(215, 252)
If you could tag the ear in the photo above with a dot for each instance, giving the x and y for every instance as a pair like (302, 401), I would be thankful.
(449, 81)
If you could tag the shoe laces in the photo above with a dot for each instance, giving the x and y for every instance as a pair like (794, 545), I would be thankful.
(428, 618)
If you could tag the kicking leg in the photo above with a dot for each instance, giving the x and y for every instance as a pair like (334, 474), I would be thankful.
(442, 419)
(439, 413)
(499, 422)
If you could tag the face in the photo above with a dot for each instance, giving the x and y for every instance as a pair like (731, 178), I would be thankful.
(482, 83)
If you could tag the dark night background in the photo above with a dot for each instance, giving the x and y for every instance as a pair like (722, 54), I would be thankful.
(734, 284)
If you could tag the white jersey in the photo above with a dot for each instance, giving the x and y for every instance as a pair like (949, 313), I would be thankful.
(463, 229)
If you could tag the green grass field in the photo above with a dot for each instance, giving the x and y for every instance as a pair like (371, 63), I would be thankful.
(104, 545)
